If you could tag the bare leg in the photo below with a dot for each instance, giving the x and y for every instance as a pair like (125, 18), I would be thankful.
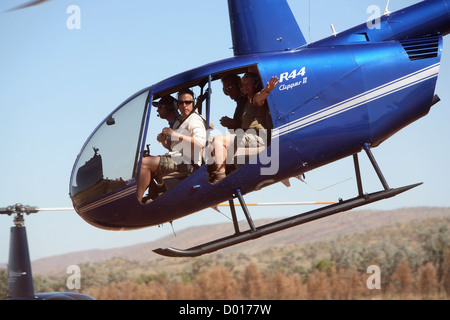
(221, 144)
(220, 151)
(149, 165)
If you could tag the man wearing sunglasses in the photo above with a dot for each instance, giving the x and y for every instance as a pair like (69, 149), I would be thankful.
(186, 145)
(232, 87)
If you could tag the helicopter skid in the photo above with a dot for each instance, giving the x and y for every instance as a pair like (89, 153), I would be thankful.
(254, 233)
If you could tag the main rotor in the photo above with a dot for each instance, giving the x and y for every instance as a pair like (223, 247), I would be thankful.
(19, 210)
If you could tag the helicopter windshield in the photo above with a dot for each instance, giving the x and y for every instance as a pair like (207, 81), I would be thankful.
(108, 160)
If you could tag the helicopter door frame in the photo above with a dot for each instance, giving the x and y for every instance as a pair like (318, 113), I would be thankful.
(208, 118)
(196, 84)
(143, 134)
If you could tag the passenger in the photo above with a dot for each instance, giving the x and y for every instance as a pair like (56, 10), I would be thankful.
(167, 110)
(232, 87)
(186, 145)
(254, 117)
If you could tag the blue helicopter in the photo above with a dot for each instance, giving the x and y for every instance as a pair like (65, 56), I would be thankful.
(332, 99)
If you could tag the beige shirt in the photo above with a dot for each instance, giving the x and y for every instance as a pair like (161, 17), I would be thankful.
(254, 117)
(193, 126)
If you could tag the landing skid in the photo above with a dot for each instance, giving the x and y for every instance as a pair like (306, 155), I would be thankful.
(257, 232)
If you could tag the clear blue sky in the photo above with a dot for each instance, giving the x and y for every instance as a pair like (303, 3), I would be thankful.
(57, 84)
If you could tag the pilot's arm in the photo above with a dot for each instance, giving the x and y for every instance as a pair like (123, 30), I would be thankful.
(164, 140)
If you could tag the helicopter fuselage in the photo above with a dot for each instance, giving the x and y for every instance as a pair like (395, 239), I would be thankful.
(359, 87)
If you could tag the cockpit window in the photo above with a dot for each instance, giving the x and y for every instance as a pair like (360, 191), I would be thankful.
(108, 160)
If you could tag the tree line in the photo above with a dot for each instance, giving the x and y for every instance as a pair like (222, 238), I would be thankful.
(414, 263)
(218, 283)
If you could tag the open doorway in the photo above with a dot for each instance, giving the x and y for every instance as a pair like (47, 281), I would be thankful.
(220, 102)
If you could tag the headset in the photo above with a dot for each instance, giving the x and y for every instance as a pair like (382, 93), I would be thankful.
(256, 79)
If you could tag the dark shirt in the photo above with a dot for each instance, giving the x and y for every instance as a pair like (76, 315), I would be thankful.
(239, 111)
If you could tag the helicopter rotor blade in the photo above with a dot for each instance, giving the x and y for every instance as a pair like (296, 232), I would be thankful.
(56, 209)
(324, 188)
(216, 207)
(281, 203)
(28, 4)
(22, 209)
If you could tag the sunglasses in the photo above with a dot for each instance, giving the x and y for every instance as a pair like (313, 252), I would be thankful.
(228, 89)
(187, 102)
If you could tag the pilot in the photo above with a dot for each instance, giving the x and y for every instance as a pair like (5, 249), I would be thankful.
(167, 109)
(232, 87)
(254, 117)
(186, 145)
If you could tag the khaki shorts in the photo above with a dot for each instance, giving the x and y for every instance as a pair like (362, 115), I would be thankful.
(168, 165)
(250, 139)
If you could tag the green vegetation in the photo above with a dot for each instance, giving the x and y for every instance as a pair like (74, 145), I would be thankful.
(414, 259)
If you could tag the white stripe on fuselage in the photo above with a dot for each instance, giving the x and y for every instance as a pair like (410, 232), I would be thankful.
(359, 100)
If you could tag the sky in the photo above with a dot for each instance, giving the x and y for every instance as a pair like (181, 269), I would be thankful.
(57, 83)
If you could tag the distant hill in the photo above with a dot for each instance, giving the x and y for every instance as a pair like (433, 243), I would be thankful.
(326, 229)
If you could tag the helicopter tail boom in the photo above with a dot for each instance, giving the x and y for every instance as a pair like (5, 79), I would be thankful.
(423, 19)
